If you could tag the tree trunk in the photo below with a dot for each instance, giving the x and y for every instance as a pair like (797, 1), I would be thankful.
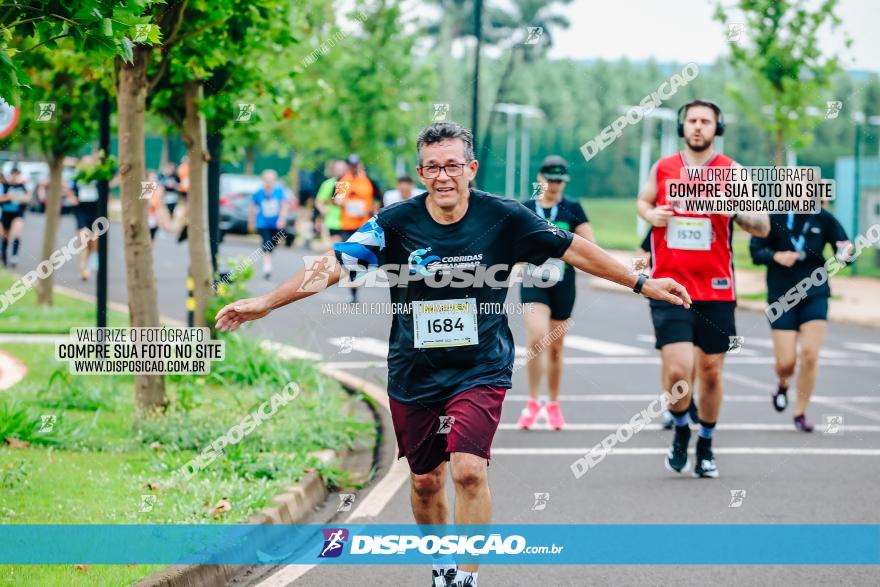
(250, 153)
(143, 304)
(195, 139)
(445, 53)
(50, 231)
(779, 155)
(293, 175)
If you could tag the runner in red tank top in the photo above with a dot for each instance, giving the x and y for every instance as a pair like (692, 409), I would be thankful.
(695, 250)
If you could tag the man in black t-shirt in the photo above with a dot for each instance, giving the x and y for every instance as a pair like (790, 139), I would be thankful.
(450, 359)
(793, 252)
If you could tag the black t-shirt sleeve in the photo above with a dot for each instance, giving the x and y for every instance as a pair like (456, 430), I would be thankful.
(578, 214)
(834, 231)
(759, 248)
(646, 243)
(535, 240)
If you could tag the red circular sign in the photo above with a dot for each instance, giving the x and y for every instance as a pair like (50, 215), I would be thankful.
(8, 118)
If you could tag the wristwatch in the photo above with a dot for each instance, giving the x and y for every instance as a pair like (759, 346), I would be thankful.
(642, 279)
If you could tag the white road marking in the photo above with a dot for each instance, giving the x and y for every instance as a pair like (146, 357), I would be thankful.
(357, 364)
(841, 403)
(863, 346)
(647, 397)
(33, 338)
(601, 347)
(735, 450)
(570, 427)
(768, 344)
(366, 345)
(370, 507)
(286, 351)
(376, 500)
(731, 360)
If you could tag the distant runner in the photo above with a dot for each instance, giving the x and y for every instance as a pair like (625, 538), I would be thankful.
(547, 309)
(793, 251)
(13, 203)
(268, 215)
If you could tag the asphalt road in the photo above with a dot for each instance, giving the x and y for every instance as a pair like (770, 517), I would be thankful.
(611, 373)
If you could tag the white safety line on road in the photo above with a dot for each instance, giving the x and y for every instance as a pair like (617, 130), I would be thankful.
(370, 507)
(364, 344)
(289, 352)
(768, 344)
(841, 403)
(863, 346)
(601, 347)
(376, 500)
(735, 450)
(647, 397)
(357, 364)
(731, 360)
(571, 427)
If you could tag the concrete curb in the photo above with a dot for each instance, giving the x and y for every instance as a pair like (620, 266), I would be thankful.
(298, 500)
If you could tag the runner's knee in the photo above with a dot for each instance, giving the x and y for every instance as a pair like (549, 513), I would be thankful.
(809, 358)
(785, 368)
(469, 472)
(429, 484)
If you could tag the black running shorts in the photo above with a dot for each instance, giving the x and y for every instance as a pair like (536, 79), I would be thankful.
(709, 325)
(559, 298)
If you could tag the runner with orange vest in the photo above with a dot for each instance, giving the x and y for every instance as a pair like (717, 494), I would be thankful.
(695, 250)
(356, 195)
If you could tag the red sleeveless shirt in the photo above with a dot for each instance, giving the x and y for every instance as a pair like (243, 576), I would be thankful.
(707, 274)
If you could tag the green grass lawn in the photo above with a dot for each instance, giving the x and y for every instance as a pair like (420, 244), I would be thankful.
(614, 222)
(26, 317)
(100, 460)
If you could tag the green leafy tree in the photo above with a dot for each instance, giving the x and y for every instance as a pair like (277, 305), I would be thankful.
(781, 58)
(216, 45)
(57, 104)
(526, 17)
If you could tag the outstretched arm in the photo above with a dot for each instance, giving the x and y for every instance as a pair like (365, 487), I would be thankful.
(593, 259)
(754, 224)
(324, 272)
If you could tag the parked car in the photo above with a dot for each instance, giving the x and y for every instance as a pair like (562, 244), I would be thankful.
(236, 191)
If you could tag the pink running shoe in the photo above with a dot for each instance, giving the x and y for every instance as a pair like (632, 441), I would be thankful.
(529, 414)
(554, 416)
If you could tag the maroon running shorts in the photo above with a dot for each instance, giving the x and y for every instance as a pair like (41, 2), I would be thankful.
(426, 440)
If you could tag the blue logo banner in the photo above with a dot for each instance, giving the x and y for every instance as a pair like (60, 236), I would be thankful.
(574, 544)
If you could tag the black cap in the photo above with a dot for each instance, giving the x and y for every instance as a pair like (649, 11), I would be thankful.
(353, 159)
(555, 167)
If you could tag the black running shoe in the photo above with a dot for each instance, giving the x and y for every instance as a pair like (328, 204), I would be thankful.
(441, 578)
(780, 400)
(677, 459)
(800, 422)
(705, 465)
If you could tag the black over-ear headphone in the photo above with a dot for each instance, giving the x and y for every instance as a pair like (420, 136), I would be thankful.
(719, 117)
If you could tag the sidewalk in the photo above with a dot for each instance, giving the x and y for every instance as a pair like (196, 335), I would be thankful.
(855, 298)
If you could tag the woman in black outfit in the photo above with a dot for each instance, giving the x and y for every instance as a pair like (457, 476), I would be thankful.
(793, 251)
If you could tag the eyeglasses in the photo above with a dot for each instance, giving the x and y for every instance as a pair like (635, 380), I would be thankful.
(452, 170)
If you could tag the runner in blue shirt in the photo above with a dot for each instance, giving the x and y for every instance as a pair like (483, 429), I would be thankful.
(268, 216)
